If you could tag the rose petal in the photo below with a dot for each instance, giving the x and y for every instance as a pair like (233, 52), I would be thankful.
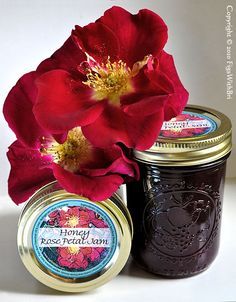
(139, 35)
(159, 81)
(63, 104)
(60, 138)
(94, 188)
(63, 262)
(149, 83)
(146, 106)
(86, 250)
(63, 252)
(68, 57)
(109, 128)
(18, 111)
(146, 130)
(98, 223)
(29, 172)
(177, 100)
(120, 164)
(94, 255)
(114, 126)
(98, 41)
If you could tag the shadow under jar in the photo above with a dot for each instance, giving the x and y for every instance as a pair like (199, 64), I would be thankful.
(176, 205)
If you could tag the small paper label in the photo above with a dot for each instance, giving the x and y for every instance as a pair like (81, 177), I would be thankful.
(80, 237)
(187, 124)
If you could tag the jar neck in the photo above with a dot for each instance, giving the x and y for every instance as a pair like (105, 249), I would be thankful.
(182, 169)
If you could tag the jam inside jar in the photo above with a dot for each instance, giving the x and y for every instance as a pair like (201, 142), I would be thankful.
(176, 205)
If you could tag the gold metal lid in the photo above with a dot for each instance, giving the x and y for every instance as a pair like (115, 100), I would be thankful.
(72, 244)
(197, 136)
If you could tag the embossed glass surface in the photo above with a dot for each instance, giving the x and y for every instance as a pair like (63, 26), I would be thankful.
(176, 213)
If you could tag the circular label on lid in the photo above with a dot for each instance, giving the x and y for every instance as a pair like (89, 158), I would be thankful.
(74, 238)
(187, 124)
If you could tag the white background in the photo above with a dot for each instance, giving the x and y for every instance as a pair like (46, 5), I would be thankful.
(31, 30)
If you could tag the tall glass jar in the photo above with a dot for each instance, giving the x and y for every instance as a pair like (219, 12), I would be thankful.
(176, 206)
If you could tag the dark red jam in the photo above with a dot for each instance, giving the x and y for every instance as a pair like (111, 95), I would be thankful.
(177, 214)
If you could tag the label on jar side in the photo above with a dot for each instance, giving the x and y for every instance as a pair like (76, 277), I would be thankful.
(188, 124)
(74, 238)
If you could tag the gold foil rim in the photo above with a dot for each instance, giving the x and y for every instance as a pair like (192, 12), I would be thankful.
(192, 150)
(38, 203)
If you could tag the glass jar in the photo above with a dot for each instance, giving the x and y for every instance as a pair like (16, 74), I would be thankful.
(72, 244)
(176, 205)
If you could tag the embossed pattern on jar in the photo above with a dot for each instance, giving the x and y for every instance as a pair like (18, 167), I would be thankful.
(176, 211)
(179, 234)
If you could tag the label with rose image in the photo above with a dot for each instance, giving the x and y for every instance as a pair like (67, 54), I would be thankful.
(188, 124)
(74, 238)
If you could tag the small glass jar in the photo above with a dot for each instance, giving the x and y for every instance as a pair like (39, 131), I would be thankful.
(72, 244)
(176, 206)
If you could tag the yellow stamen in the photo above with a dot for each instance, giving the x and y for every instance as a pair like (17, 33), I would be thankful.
(72, 221)
(74, 151)
(176, 130)
(139, 65)
(112, 80)
(73, 250)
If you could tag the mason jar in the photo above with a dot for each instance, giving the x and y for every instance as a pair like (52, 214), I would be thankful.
(70, 243)
(176, 205)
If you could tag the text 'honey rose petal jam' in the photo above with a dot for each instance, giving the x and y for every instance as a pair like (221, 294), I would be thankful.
(176, 206)
(72, 244)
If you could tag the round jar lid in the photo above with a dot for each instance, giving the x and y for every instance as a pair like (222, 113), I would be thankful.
(199, 135)
(72, 244)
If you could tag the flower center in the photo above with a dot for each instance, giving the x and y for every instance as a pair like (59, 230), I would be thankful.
(73, 250)
(177, 130)
(110, 80)
(73, 152)
(72, 221)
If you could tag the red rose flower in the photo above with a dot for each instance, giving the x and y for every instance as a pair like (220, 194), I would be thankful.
(81, 169)
(38, 158)
(113, 79)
